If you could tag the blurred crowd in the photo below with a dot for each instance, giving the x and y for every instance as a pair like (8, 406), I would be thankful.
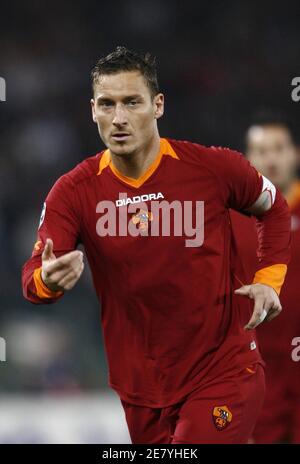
(217, 63)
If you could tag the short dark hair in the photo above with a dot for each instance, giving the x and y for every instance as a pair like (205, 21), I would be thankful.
(270, 117)
(122, 59)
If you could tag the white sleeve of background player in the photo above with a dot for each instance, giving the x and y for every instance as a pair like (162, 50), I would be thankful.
(265, 200)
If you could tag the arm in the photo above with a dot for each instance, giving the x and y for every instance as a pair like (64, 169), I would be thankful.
(246, 190)
(52, 269)
(273, 229)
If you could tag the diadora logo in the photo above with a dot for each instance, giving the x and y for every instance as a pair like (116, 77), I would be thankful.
(139, 199)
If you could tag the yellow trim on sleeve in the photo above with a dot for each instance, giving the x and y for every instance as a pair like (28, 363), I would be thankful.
(42, 290)
(271, 275)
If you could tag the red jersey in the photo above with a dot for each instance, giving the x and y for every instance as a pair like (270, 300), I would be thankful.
(169, 317)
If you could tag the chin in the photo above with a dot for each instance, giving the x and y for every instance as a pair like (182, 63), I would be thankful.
(121, 148)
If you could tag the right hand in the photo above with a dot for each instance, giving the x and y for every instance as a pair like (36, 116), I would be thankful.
(60, 274)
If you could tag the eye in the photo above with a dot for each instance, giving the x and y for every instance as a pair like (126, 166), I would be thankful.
(105, 103)
(132, 103)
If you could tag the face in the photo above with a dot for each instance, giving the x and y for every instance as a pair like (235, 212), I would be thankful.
(124, 111)
(271, 150)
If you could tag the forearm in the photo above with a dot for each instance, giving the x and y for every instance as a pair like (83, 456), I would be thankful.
(274, 237)
(34, 289)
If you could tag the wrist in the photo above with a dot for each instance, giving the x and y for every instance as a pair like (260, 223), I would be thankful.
(43, 291)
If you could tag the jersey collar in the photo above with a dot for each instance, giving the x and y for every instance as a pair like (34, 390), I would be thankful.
(165, 149)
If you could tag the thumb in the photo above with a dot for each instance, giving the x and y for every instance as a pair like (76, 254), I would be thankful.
(48, 250)
(244, 290)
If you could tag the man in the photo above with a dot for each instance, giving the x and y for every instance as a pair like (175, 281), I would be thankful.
(180, 343)
(270, 147)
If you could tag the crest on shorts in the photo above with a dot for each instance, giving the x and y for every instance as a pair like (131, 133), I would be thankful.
(142, 218)
(221, 417)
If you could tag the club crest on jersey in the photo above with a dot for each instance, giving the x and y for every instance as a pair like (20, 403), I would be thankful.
(142, 218)
(221, 417)
(43, 214)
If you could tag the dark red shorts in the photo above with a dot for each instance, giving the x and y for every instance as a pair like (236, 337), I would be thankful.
(223, 411)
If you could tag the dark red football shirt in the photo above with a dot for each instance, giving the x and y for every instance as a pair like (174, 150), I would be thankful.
(169, 317)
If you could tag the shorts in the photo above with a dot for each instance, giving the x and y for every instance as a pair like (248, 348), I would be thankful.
(223, 411)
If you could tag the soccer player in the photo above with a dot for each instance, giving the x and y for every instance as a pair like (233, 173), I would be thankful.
(153, 216)
(271, 148)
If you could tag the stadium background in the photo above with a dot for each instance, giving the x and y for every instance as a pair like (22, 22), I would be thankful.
(217, 63)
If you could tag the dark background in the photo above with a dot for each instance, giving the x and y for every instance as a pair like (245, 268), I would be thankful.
(218, 63)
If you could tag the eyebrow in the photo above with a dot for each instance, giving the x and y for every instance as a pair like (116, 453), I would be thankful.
(125, 99)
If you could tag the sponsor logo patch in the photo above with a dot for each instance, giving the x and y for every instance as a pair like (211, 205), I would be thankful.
(139, 199)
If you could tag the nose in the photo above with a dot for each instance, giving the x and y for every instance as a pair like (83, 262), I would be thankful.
(120, 118)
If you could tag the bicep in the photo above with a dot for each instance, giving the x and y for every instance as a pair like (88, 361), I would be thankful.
(265, 200)
(239, 181)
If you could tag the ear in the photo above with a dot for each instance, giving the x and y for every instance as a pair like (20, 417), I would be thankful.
(158, 101)
(93, 110)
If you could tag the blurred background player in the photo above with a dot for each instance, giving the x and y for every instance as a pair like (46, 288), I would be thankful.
(271, 148)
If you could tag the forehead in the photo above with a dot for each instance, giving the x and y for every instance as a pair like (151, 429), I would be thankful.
(268, 134)
(121, 85)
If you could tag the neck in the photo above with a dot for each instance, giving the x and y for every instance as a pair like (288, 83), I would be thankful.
(136, 163)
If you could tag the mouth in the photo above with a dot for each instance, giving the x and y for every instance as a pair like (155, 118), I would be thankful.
(120, 136)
